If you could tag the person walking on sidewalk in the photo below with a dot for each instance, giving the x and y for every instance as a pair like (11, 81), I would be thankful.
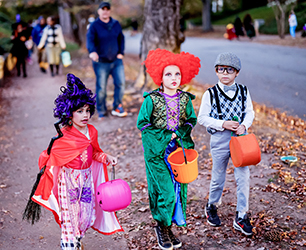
(218, 107)
(292, 23)
(167, 114)
(54, 41)
(248, 26)
(105, 44)
(74, 169)
(19, 49)
(37, 33)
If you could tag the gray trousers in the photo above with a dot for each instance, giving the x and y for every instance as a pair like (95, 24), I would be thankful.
(220, 153)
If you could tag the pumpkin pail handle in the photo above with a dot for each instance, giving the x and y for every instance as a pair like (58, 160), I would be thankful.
(183, 151)
(113, 172)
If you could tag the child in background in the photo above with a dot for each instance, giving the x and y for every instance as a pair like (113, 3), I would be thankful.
(219, 105)
(304, 31)
(166, 115)
(292, 23)
(230, 32)
(74, 169)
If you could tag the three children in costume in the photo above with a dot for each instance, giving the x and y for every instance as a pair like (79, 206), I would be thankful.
(77, 165)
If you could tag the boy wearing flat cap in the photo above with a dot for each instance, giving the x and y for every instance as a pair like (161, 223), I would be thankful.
(219, 106)
(105, 44)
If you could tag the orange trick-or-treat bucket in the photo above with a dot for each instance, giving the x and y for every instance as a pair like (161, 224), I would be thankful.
(184, 173)
(244, 150)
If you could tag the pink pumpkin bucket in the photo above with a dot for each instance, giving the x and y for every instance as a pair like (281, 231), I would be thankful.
(114, 195)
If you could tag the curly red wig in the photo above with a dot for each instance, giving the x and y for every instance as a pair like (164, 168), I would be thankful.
(158, 59)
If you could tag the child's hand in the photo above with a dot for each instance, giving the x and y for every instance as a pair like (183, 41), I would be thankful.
(173, 136)
(241, 130)
(231, 125)
(112, 160)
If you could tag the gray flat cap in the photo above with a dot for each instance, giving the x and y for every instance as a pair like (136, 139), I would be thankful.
(228, 59)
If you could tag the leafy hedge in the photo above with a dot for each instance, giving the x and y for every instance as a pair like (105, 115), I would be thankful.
(5, 32)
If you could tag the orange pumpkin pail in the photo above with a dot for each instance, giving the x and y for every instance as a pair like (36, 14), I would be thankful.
(244, 150)
(184, 172)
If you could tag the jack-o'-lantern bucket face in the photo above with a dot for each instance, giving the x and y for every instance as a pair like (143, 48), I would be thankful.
(184, 173)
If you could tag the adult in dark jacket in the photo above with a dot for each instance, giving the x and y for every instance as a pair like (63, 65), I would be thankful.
(37, 33)
(19, 49)
(105, 44)
(238, 27)
(248, 26)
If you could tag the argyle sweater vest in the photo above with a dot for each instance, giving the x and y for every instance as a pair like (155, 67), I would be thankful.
(224, 107)
(52, 38)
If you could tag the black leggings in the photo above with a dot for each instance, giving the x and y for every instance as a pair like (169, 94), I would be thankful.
(21, 60)
(52, 68)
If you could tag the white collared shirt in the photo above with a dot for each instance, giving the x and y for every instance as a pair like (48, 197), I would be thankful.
(210, 122)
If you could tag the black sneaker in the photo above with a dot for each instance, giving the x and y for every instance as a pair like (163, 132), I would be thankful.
(243, 224)
(211, 215)
(163, 239)
(175, 241)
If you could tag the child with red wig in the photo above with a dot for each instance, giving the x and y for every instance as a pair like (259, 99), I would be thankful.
(166, 115)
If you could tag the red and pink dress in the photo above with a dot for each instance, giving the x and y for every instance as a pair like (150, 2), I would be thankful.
(74, 169)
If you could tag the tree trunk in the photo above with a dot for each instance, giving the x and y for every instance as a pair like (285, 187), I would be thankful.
(206, 17)
(161, 30)
(280, 8)
(81, 18)
(75, 16)
(65, 22)
(280, 19)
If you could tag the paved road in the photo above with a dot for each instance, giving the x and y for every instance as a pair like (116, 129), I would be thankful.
(275, 75)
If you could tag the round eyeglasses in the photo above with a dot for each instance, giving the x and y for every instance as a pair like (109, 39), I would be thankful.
(229, 70)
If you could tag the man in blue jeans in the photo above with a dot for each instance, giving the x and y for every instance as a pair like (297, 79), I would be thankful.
(105, 44)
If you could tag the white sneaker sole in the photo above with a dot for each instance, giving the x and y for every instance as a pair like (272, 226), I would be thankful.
(114, 113)
(237, 227)
(177, 246)
(214, 225)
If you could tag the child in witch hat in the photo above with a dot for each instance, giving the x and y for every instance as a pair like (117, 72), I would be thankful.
(75, 167)
(166, 115)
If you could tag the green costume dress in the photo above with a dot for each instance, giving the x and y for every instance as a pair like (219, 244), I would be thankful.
(155, 122)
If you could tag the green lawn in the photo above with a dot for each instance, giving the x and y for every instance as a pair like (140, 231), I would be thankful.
(257, 13)
(71, 46)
